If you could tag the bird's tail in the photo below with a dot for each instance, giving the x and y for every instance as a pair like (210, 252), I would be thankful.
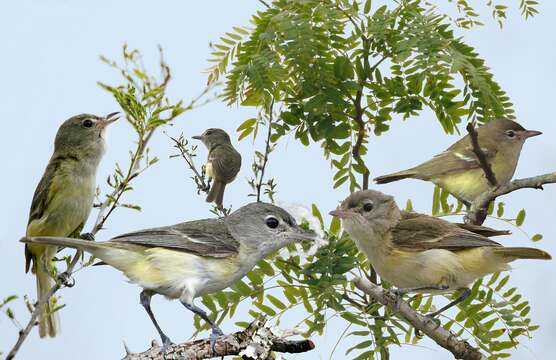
(384, 179)
(86, 245)
(514, 253)
(216, 193)
(49, 319)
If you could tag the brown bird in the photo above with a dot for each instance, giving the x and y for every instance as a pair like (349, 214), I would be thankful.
(223, 163)
(422, 253)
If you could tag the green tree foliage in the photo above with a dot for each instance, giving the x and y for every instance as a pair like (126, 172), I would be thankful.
(341, 71)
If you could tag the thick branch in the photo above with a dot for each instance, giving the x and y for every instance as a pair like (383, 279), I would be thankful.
(485, 165)
(254, 343)
(459, 348)
(478, 211)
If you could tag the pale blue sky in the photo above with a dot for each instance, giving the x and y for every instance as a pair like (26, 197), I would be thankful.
(50, 67)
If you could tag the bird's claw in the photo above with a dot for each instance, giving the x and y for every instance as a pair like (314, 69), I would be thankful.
(66, 279)
(216, 332)
(431, 317)
(87, 236)
(166, 344)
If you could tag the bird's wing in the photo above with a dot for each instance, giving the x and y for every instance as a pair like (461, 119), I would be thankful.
(208, 238)
(41, 197)
(454, 159)
(418, 232)
(225, 162)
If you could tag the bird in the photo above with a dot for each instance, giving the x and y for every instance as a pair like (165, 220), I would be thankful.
(223, 163)
(63, 200)
(194, 258)
(457, 169)
(421, 253)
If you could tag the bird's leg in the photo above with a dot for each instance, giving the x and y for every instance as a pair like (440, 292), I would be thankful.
(145, 299)
(87, 236)
(464, 295)
(216, 332)
(404, 291)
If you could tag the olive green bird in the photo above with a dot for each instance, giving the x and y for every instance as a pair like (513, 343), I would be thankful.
(223, 163)
(457, 169)
(63, 200)
(421, 253)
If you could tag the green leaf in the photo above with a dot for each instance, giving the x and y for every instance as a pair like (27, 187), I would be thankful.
(520, 217)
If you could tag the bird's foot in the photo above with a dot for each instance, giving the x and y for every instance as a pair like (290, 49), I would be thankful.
(432, 317)
(87, 236)
(216, 332)
(398, 293)
(166, 344)
(66, 280)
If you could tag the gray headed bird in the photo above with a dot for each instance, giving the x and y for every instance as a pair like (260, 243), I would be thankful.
(194, 258)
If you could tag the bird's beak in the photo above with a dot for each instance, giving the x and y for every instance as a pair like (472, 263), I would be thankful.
(197, 137)
(300, 234)
(109, 119)
(530, 133)
(342, 214)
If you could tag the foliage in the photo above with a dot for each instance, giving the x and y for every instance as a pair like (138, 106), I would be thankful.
(341, 71)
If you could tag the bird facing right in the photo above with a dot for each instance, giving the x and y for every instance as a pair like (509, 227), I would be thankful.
(457, 169)
(417, 252)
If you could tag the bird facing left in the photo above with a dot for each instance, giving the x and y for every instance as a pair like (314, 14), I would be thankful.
(63, 200)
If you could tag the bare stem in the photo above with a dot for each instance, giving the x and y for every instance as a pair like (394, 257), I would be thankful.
(485, 165)
(478, 210)
(266, 151)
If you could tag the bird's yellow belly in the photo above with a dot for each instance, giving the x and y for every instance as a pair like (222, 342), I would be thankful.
(436, 267)
(174, 273)
(466, 185)
(208, 170)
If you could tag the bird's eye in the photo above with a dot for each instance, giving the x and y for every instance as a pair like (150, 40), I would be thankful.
(510, 133)
(208, 132)
(272, 222)
(368, 207)
(88, 123)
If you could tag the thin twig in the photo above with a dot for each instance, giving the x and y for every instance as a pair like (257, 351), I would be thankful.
(186, 155)
(459, 348)
(266, 151)
(479, 208)
(485, 165)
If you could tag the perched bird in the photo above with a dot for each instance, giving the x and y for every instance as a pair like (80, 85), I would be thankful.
(457, 169)
(63, 199)
(194, 258)
(421, 253)
(223, 162)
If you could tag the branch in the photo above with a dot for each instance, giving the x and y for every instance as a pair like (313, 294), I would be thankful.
(459, 348)
(485, 165)
(478, 210)
(62, 280)
(254, 343)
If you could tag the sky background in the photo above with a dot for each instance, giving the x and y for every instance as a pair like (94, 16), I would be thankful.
(50, 68)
